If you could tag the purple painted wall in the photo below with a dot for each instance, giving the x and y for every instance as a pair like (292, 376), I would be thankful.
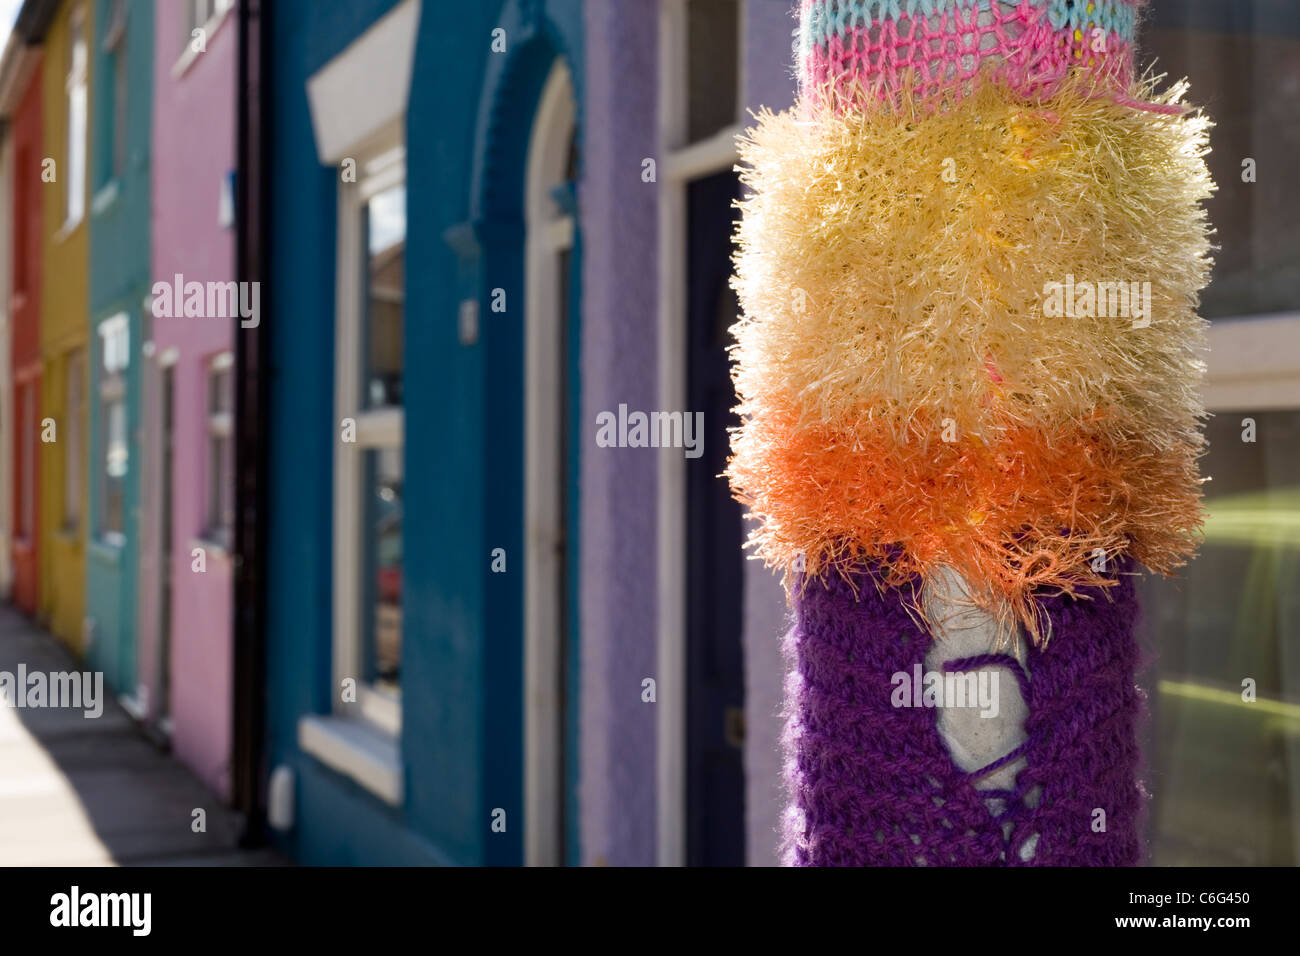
(769, 81)
(618, 485)
(193, 150)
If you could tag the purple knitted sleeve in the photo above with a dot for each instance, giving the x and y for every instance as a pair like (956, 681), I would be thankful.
(873, 784)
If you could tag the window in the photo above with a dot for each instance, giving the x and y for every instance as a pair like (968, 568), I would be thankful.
(221, 451)
(1226, 791)
(1243, 61)
(75, 86)
(369, 485)
(701, 73)
(198, 15)
(362, 737)
(115, 50)
(74, 411)
(383, 223)
(114, 336)
(713, 66)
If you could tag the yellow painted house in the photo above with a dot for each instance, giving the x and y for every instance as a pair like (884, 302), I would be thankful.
(67, 91)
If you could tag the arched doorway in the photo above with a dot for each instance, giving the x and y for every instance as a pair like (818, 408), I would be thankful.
(551, 284)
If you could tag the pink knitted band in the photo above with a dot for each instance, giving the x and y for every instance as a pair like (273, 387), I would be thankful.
(882, 48)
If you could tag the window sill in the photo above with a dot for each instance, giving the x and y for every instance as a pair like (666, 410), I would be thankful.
(134, 705)
(67, 229)
(106, 550)
(349, 747)
(189, 55)
(104, 199)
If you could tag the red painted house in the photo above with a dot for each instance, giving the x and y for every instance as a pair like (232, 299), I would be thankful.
(22, 107)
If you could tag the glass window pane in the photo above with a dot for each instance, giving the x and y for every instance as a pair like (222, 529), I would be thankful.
(76, 197)
(220, 392)
(381, 584)
(221, 489)
(713, 51)
(384, 228)
(1227, 791)
(221, 457)
(115, 464)
(1243, 61)
(76, 153)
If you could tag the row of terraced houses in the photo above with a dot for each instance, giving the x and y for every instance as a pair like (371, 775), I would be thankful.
(218, 373)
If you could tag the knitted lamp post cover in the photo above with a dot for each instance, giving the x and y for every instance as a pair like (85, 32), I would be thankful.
(968, 264)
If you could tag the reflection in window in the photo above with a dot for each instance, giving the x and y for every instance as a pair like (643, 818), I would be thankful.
(384, 224)
(382, 567)
(713, 57)
(75, 87)
(221, 451)
(1224, 769)
(1243, 61)
(115, 354)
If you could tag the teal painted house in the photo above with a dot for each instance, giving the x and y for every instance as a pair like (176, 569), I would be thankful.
(122, 61)
(410, 625)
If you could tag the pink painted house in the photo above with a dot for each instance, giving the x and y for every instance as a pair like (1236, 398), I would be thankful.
(187, 500)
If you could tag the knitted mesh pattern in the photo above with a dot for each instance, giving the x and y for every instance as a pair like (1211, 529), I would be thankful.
(926, 48)
(873, 784)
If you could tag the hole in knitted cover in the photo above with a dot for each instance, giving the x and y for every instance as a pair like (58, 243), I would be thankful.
(982, 720)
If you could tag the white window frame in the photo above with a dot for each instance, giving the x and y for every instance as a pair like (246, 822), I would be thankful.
(207, 15)
(74, 410)
(220, 427)
(76, 90)
(113, 366)
(380, 166)
(549, 233)
(1253, 363)
(680, 163)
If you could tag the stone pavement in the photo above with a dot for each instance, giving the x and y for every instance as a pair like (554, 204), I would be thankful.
(77, 791)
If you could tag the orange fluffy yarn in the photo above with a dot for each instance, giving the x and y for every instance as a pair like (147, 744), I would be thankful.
(1035, 511)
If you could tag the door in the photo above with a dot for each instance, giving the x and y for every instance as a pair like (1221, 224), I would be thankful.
(163, 522)
(714, 535)
(550, 512)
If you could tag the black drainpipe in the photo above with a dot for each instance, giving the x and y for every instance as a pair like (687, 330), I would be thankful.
(248, 768)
